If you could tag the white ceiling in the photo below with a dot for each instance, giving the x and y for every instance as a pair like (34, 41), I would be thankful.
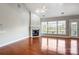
(55, 9)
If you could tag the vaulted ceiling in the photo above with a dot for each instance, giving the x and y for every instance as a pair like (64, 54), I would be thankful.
(54, 9)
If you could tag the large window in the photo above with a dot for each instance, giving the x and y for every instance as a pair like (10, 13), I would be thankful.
(52, 27)
(61, 27)
(44, 27)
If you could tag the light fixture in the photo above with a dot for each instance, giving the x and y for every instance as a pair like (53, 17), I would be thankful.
(44, 8)
(37, 11)
(18, 5)
(62, 12)
(41, 10)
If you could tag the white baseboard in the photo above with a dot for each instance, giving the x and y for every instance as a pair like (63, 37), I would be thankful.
(13, 41)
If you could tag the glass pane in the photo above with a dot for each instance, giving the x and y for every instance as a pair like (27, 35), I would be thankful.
(61, 27)
(44, 27)
(73, 28)
(52, 27)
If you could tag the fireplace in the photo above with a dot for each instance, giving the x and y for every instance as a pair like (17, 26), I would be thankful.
(35, 32)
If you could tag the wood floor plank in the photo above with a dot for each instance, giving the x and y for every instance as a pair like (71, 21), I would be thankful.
(42, 46)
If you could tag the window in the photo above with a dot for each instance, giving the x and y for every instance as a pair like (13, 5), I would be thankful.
(44, 27)
(52, 27)
(73, 28)
(61, 27)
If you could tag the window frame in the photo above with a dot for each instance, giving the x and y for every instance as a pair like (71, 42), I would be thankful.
(52, 23)
(64, 27)
(56, 26)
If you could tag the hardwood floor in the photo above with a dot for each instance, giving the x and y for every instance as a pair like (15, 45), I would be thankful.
(42, 46)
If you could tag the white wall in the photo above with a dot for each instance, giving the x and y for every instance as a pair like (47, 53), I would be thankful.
(14, 23)
(35, 20)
